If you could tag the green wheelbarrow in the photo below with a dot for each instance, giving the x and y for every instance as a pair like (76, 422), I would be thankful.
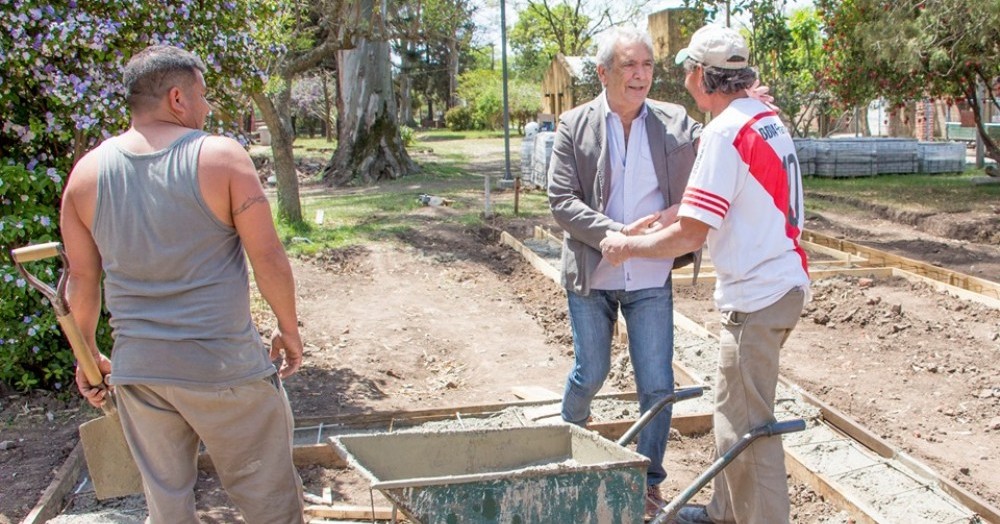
(529, 475)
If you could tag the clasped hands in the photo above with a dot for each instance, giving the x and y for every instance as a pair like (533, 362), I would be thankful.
(616, 246)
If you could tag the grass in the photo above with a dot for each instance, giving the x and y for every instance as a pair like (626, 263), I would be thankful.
(363, 214)
(946, 193)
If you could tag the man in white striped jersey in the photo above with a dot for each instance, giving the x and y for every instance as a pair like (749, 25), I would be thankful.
(745, 197)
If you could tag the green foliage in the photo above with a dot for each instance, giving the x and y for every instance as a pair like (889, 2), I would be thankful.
(911, 49)
(542, 31)
(482, 90)
(787, 52)
(459, 118)
(61, 94)
(588, 85)
(33, 353)
(407, 135)
(939, 49)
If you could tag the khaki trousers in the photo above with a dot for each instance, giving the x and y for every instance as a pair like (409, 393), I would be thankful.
(247, 430)
(753, 488)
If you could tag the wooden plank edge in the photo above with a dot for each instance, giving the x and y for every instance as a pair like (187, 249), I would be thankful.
(538, 393)
(954, 291)
(369, 420)
(52, 500)
(860, 512)
(345, 511)
(973, 284)
(687, 425)
(833, 253)
(848, 426)
(536, 261)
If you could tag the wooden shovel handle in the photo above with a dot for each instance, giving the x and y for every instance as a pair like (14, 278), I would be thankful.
(81, 350)
(36, 252)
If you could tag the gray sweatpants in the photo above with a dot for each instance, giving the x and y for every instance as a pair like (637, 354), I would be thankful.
(753, 488)
(247, 430)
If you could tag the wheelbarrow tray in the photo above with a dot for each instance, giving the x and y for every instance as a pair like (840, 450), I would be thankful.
(557, 473)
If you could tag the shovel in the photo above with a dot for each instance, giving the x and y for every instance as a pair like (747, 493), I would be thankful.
(109, 460)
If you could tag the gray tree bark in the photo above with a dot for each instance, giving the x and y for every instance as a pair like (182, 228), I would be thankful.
(276, 115)
(369, 146)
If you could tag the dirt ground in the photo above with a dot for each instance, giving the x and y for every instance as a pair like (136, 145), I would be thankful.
(444, 315)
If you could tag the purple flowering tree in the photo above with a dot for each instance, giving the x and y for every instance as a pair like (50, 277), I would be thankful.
(60, 95)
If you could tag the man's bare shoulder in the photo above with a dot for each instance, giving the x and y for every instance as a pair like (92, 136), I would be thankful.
(222, 150)
(224, 158)
(83, 176)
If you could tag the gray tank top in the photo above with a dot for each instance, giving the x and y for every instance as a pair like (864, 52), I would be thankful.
(176, 280)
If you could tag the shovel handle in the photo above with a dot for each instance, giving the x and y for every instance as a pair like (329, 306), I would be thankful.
(36, 252)
(81, 350)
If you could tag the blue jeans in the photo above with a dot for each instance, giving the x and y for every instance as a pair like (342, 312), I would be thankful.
(649, 319)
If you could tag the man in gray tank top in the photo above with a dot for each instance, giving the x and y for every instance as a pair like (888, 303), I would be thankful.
(169, 215)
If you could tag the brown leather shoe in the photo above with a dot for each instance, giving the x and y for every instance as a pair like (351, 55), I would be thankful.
(654, 502)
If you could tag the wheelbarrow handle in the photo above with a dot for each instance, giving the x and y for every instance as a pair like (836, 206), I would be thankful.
(668, 513)
(785, 426)
(677, 395)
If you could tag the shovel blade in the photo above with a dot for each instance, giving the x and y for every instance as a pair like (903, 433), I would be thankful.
(109, 461)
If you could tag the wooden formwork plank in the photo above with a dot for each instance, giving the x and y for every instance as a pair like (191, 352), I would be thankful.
(345, 511)
(302, 455)
(536, 261)
(836, 254)
(687, 425)
(882, 258)
(873, 272)
(960, 292)
(535, 393)
(853, 253)
(51, 502)
(852, 429)
(859, 511)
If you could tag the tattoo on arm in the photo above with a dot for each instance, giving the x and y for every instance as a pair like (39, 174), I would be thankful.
(249, 202)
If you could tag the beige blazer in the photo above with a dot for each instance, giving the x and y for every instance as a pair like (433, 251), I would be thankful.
(579, 183)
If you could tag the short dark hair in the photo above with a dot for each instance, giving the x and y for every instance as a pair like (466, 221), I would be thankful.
(154, 70)
(727, 81)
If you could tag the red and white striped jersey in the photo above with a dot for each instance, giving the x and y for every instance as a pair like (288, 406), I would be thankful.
(746, 185)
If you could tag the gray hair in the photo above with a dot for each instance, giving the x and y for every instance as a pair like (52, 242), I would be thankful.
(726, 81)
(151, 73)
(627, 35)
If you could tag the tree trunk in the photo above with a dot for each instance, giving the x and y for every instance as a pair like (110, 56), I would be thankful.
(405, 86)
(289, 208)
(368, 143)
(992, 151)
(452, 72)
(327, 108)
